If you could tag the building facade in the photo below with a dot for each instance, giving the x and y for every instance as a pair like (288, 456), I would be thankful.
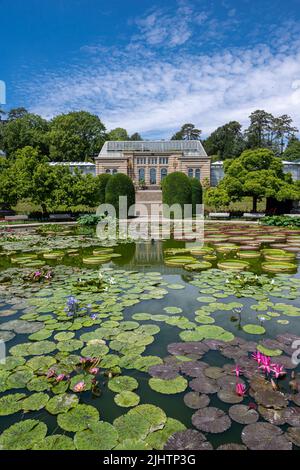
(149, 162)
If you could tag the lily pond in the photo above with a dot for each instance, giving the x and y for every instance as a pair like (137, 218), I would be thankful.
(150, 345)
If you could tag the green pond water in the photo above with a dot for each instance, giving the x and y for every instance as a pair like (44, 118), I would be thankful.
(137, 281)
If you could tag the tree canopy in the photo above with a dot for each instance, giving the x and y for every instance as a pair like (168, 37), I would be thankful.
(187, 132)
(257, 173)
(292, 151)
(226, 141)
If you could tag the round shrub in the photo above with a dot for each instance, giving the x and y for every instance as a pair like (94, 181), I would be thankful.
(101, 183)
(176, 189)
(119, 185)
(196, 193)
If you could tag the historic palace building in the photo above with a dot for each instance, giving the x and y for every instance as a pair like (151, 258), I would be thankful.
(148, 162)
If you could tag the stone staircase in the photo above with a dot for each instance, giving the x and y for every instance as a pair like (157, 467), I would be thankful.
(149, 200)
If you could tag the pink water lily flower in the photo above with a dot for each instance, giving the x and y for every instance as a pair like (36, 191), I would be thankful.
(37, 274)
(60, 377)
(94, 370)
(237, 370)
(265, 364)
(278, 370)
(79, 387)
(257, 356)
(240, 389)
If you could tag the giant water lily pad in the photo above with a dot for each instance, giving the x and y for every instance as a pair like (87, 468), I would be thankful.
(61, 403)
(78, 418)
(55, 442)
(122, 383)
(211, 420)
(98, 436)
(188, 440)
(11, 404)
(169, 386)
(265, 436)
(127, 399)
(23, 435)
(243, 414)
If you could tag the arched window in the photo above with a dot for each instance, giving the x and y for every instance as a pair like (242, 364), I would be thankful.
(141, 174)
(163, 173)
(152, 176)
(190, 172)
(197, 173)
(107, 170)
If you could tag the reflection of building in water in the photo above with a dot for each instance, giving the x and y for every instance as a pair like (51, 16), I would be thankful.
(149, 253)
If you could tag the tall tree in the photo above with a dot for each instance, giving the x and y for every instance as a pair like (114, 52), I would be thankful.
(75, 136)
(283, 129)
(16, 113)
(28, 130)
(259, 133)
(292, 151)
(226, 141)
(187, 132)
(136, 136)
(118, 134)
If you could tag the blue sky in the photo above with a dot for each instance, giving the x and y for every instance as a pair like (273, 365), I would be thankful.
(150, 66)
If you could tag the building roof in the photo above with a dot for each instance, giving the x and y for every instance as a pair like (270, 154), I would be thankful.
(72, 163)
(187, 147)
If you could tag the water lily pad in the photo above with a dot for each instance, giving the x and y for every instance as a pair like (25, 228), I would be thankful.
(254, 329)
(122, 383)
(98, 436)
(95, 350)
(265, 436)
(11, 404)
(127, 399)
(35, 402)
(158, 439)
(293, 435)
(188, 440)
(170, 386)
(232, 446)
(132, 444)
(211, 420)
(196, 400)
(229, 396)
(172, 310)
(243, 414)
(20, 378)
(78, 418)
(143, 363)
(23, 435)
(61, 403)
(55, 442)
(164, 371)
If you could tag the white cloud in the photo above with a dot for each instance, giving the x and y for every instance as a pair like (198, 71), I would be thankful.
(151, 90)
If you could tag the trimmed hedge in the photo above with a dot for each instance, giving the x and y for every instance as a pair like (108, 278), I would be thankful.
(119, 185)
(102, 181)
(176, 189)
(196, 193)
